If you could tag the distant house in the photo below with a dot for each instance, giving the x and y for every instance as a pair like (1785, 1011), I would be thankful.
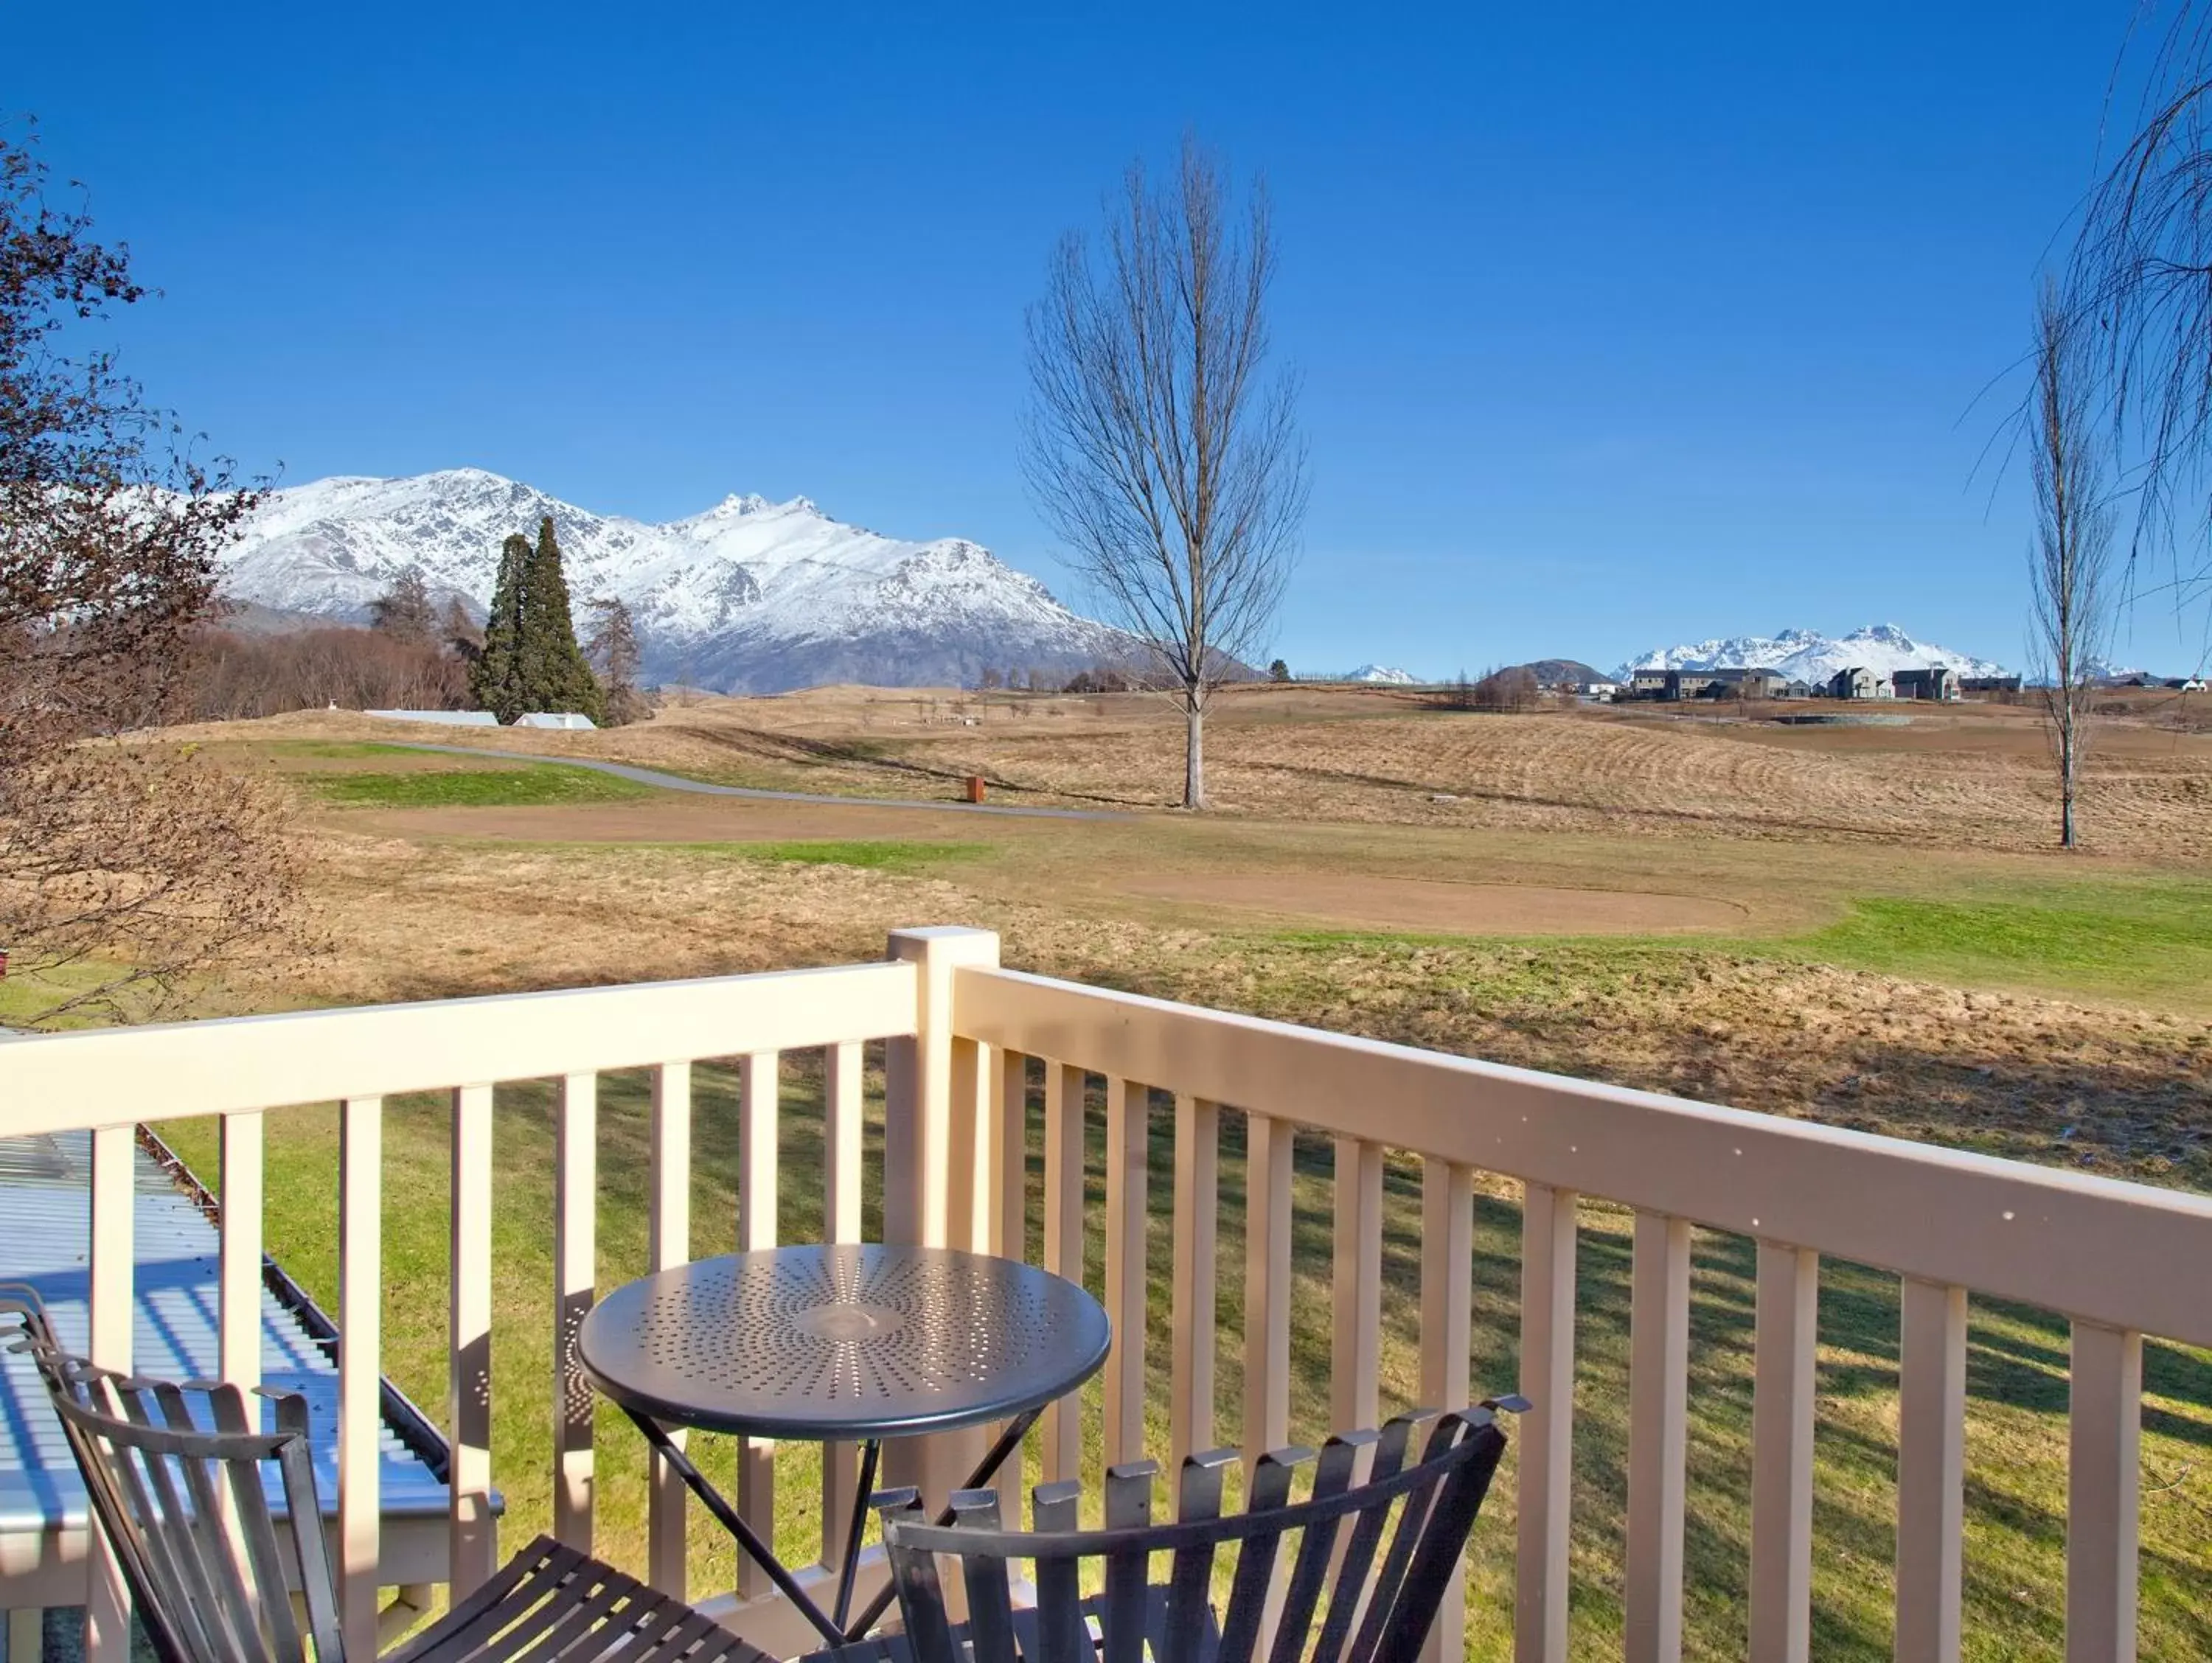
(1988, 683)
(2188, 683)
(1747, 685)
(1603, 691)
(1860, 683)
(1650, 684)
(1936, 682)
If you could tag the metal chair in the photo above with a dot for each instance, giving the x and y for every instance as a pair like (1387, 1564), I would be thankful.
(1367, 1609)
(179, 1477)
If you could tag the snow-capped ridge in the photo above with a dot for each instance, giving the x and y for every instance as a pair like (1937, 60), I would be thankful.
(1808, 655)
(750, 595)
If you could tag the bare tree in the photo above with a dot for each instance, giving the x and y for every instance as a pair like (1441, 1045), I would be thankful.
(613, 653)
(124, 873)
(1157, 444)
(2069, 556)
(2140, 285)
(404, 610)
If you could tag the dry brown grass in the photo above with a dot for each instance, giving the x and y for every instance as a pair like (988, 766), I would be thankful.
(1959, 778)
(2124, 1092)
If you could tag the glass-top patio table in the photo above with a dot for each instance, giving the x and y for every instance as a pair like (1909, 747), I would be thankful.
(836, 1343)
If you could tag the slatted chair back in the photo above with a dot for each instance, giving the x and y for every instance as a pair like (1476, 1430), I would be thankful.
(1314, 1581)
(176, 1475)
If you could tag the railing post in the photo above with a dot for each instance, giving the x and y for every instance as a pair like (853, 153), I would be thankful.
(920, 1134)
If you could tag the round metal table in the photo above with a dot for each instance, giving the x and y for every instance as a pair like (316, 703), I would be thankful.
(830, 1344)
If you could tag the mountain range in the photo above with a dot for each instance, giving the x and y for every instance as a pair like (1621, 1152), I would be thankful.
(1806, 655)
(750, 596)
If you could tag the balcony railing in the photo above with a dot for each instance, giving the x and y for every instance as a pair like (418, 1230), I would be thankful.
(963, 1038)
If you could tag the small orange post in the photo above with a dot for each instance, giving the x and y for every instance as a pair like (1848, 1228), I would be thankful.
(975, 787)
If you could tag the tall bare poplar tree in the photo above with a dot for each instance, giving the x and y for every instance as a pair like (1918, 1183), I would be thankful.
(2070, 557)
(1158, 445)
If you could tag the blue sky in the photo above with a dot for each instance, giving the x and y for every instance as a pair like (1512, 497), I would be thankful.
(1618, 325)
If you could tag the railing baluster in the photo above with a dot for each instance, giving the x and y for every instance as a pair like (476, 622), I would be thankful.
(968, 1191)
(1931, 1416)
(1269, 1148)
(2105, 1461)
(1063, 1244)
(1010, 1147)
(1547, 1429)
(843, 1124)
(474, 1532)
(1782, 1455)
(111, 1272)
(1356, 1282)
(757, 1114)
(668, 1232)
(575, 1258)
(1447, 1334)
(1191, 1316)
(240, 1146)
(1129, 1107)
(1008, 1112)
(1658, 1444)
(360, 1345)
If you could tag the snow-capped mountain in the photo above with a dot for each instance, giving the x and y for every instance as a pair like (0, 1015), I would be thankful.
(751, 596)
(1807, 655)
(1384, 675)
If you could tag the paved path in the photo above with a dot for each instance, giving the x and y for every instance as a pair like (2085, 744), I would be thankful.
(678, 782)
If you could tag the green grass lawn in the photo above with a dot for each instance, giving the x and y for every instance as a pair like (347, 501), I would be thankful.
(2139, 943)
(2016, 1431)
(528, 785)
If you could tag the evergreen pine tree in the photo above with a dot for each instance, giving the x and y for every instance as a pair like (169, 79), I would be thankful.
(553, 673)
(496, 674)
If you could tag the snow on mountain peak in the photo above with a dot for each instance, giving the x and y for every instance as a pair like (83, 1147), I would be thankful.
(749, 596)
(1808, 655)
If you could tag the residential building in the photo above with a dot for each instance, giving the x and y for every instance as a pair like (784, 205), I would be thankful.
(1936, 681)
(1860, 683)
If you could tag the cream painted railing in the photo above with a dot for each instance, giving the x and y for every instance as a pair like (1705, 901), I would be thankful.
(2119, 1260)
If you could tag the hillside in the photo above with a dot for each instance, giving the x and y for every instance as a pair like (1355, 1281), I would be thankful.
(1807, 655)
(751, 596)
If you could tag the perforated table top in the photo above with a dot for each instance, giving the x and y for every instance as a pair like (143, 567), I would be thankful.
(842, 1341)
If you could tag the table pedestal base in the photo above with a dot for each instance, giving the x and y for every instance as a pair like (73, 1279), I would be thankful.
(832, 1625)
